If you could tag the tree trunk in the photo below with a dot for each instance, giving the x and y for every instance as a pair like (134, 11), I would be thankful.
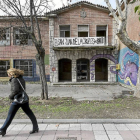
(40, 62)
(42, 93)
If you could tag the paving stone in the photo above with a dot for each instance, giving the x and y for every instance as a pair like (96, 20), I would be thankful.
(61, 133)
(74, 132)
(115, 137)
(42, 126)
(127, 135)
(18, 127)
(99, 132)
(101, 137)
(87, 127)
(10, 135)
(47, 137)
(28, 127)
(109, 126)
(77, 136)
(112, 132)
(52, 127)
(121, 127)
(10, 127)
(23, 135)
(97, 127)
(136, 134)
(132, 126)
(87, 134)
(36, 136)
(63, 127)
(75, 127)
(138, 125)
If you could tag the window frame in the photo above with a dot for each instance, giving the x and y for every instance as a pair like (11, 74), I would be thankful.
(7, 41)
(82, 31)
(64, 30)
(24, 66)
(17, 29)
(106, 31)
(7, 66)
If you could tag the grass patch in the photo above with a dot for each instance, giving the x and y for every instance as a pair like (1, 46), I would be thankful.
(68, 108)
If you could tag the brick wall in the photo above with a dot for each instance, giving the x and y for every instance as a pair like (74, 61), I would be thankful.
(94, 17)
(133, 24)
(27, 51)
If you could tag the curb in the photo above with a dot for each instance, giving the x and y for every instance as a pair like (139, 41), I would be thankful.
(75, 121)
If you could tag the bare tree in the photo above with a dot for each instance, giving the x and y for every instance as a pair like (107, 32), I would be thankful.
(27, 12)
(120, 17)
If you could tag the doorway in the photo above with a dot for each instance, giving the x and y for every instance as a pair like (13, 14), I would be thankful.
(101, 70)
(82, 70)
(65, 70)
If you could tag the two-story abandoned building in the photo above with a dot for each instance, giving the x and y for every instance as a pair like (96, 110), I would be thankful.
(82, 44)
(79, 41)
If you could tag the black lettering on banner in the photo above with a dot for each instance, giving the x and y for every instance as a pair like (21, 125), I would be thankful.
(81, 41)
(99, 40)
(92, 41)
(61, 41)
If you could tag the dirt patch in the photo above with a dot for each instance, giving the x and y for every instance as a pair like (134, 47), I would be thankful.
(68, 108)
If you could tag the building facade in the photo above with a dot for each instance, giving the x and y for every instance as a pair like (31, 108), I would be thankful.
(82, 44)
(17, 49)
(79, 41)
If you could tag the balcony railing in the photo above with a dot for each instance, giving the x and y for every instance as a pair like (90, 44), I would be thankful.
(80, 41)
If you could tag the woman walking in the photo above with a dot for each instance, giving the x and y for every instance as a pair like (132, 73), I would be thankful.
(16, 88)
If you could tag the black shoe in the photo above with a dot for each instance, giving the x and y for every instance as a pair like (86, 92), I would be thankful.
(2, 132)
(34, 131)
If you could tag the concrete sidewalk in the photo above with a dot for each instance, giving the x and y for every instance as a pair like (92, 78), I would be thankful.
(75, 131)
(78, 92)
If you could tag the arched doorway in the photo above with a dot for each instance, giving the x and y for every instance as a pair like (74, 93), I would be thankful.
(65, 70)
(83, 70)
(101, 70)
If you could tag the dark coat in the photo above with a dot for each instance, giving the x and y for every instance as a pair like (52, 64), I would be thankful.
(15, 86)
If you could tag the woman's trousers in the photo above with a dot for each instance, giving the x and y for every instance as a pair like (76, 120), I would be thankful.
(12, 111)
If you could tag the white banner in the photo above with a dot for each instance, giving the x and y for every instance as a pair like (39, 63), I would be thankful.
(79, 41)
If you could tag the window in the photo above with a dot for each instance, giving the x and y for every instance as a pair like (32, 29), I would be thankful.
(21, 38)
(4, 66)
(26, 65)
(83, 30)
(65, 31)
(4, 36)
(101, 31)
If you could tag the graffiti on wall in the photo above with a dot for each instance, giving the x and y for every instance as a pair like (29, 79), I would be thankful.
(108, 56)
(129, 61)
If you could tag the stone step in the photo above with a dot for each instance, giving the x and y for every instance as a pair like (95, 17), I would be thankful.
(84, 83)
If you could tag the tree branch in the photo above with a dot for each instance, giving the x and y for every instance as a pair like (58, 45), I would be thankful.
(119, 10)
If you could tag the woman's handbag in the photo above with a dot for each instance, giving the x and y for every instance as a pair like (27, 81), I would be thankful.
(22, 97)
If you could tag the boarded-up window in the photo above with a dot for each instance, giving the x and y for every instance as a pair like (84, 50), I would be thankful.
(83, 30)
(65, 31)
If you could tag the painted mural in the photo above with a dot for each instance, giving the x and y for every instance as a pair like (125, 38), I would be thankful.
(129, 62)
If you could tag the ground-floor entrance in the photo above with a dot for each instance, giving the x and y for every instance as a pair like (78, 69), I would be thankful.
(65, 70)
(83, 70)
(101, 70)
(76, 66)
